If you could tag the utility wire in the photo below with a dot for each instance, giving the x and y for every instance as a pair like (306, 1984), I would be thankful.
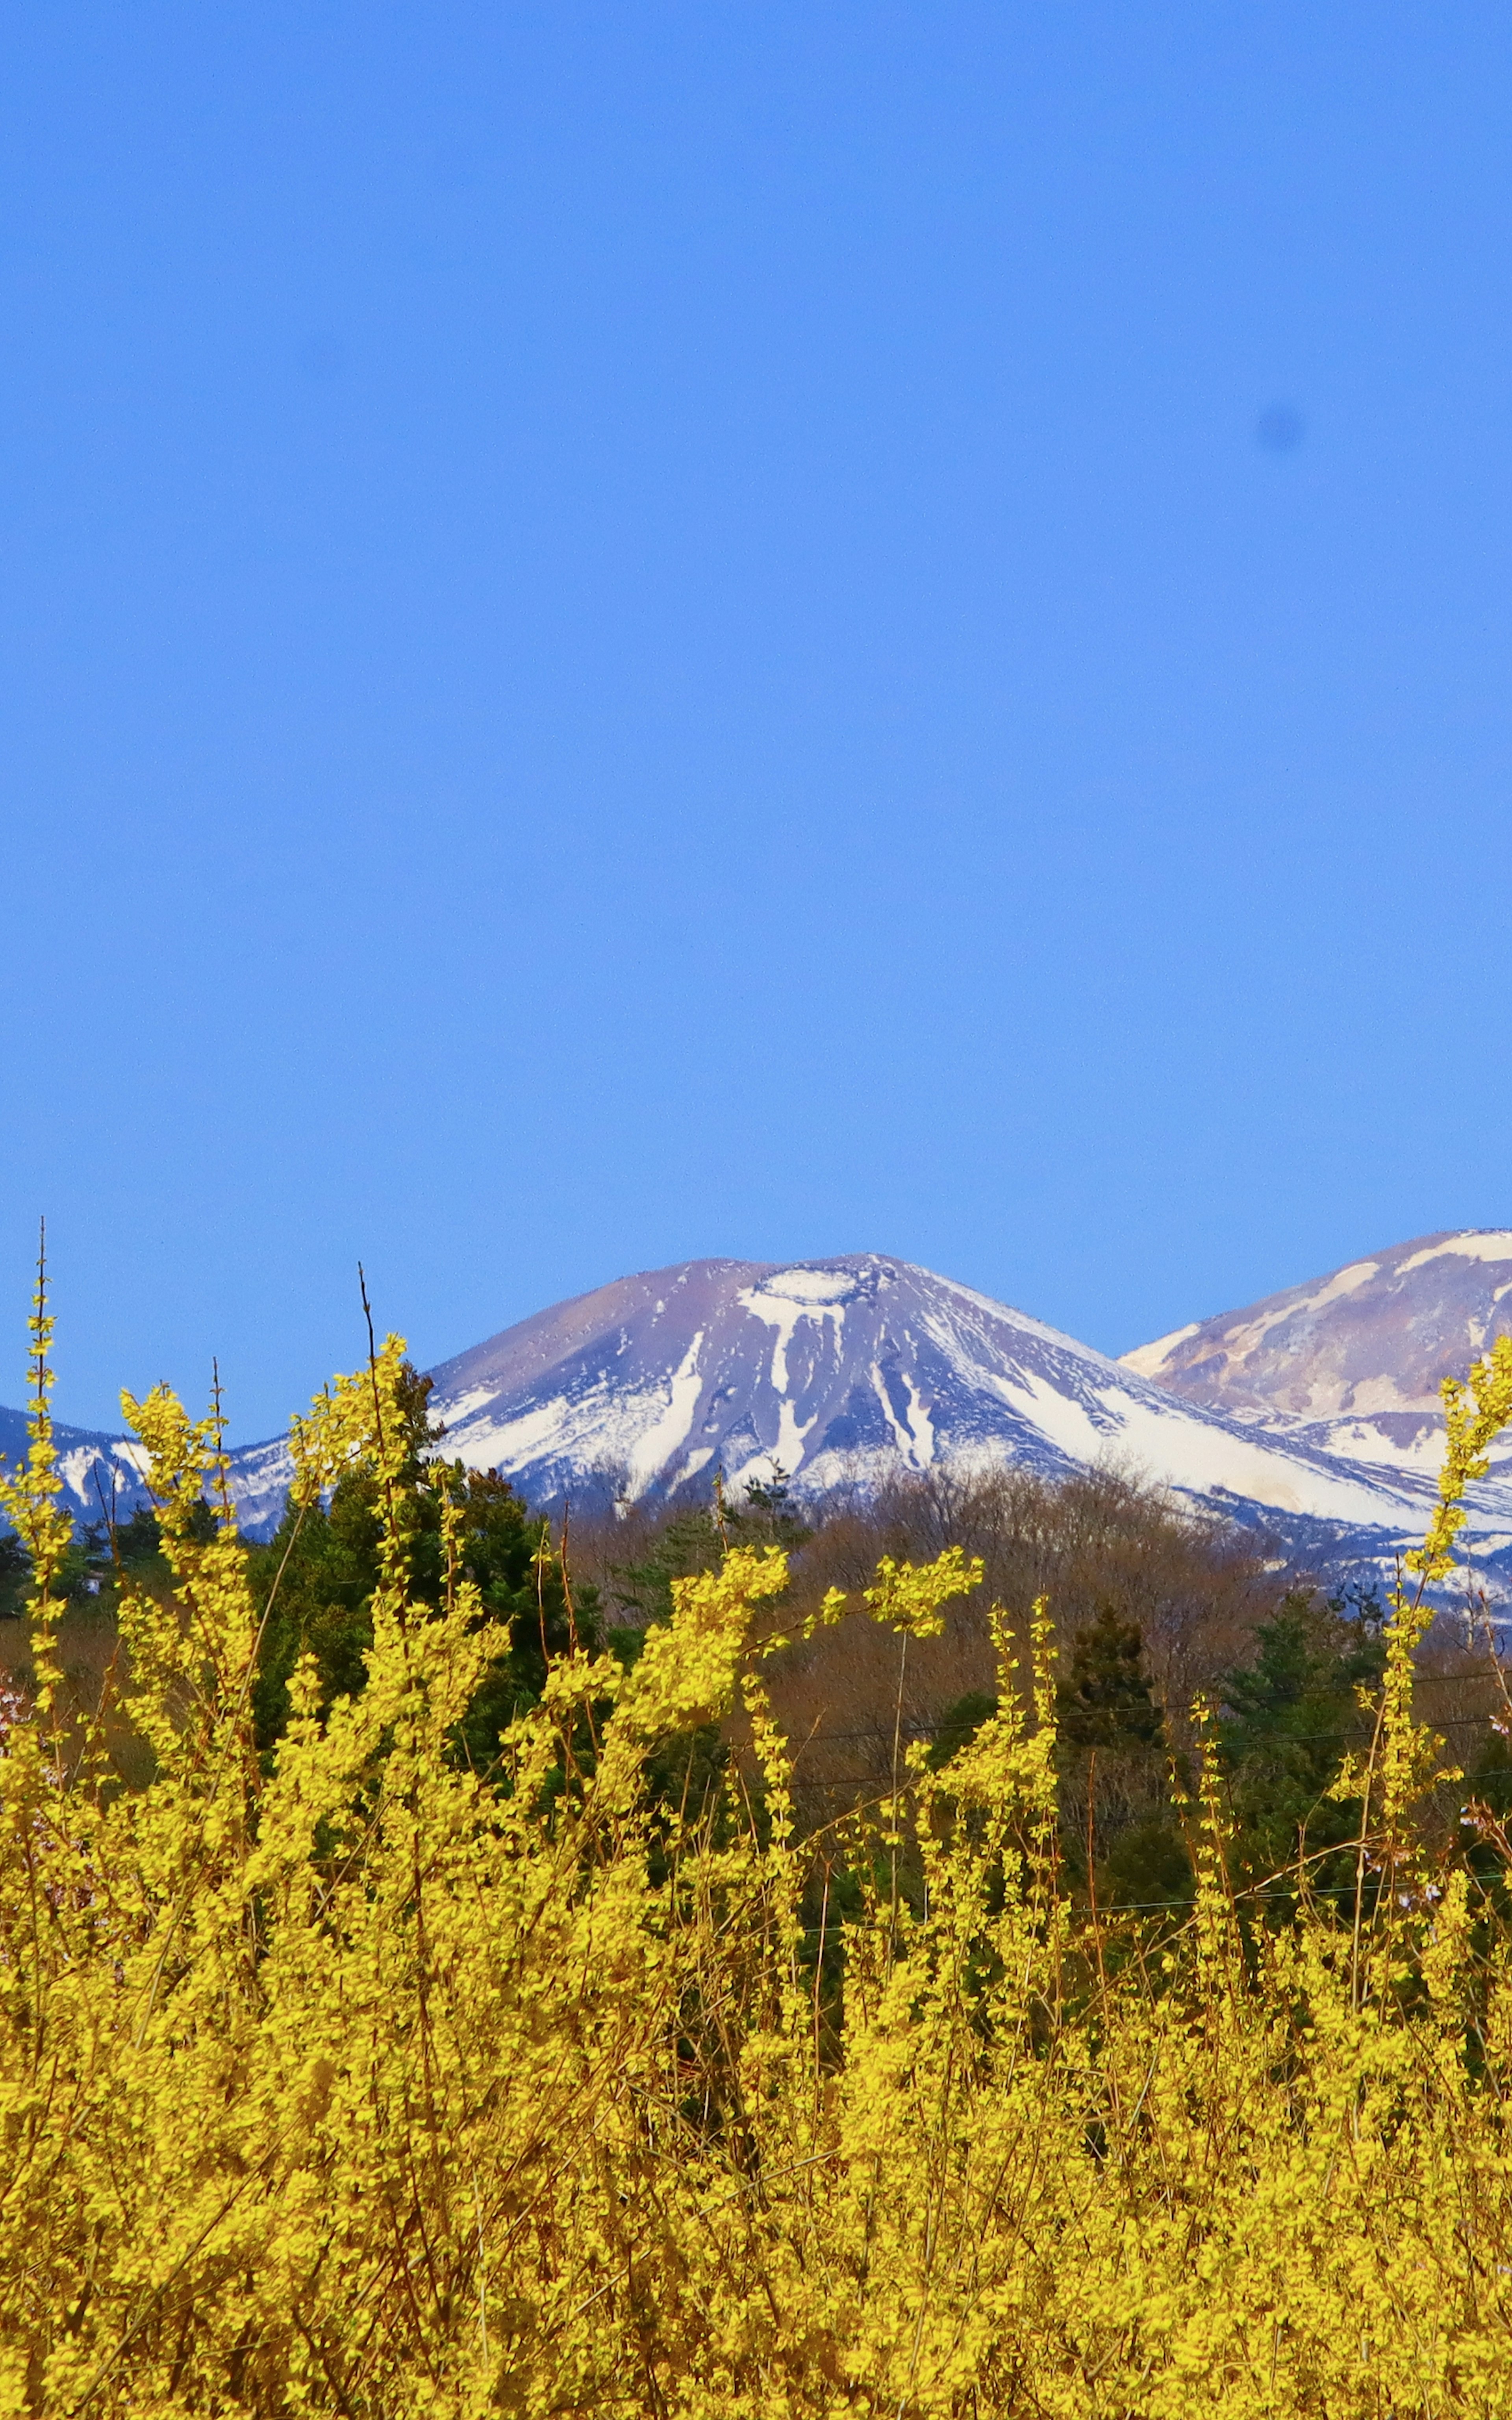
(1282, 1739)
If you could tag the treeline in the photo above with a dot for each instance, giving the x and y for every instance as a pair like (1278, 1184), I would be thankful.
(1155, 1609)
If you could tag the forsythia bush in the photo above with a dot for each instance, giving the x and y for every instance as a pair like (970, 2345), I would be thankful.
(361, 2085)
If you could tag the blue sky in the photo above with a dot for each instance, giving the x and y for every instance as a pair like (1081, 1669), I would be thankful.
(639, 631)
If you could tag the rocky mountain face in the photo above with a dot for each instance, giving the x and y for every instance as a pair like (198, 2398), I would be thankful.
(1310, 1418)
(1351, 1363)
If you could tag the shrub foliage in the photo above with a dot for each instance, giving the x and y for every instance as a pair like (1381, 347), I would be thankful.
(345, 2071)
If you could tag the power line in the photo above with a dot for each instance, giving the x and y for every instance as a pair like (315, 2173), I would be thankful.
(1281, 1739)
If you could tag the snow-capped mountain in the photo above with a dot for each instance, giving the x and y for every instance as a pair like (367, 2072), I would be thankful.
(1351, 1363)
(842, 1371)
(102, 1474)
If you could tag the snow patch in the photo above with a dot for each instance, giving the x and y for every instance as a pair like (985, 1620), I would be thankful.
(77, 1468)
(783, 1311)
(901, 1438)
(1066, 1422)
(655, 1447)
(1148, 1359)
(806, 1285)
(1495, 1245)
(1202, 1456)
(914, 1434)
(455, 1409)
(486, 1445)
(1363, 1441)
(920, 1423)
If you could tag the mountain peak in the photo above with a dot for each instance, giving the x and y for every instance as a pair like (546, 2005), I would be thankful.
(851, 1369)
(1379, 1334)
(846, 1369)
(1351, 1363)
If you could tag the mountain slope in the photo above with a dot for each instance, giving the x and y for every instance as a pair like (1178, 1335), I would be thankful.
(1351, 1363)
(102, 1473)
(841, 1369)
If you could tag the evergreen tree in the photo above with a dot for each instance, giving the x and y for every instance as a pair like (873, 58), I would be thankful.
(688, 1543)
(1287, 1719)
(1112, 1742)
(15, 1575)
(694, 1539)
(959, 1726)
(1105, 1700)
(683, 1773)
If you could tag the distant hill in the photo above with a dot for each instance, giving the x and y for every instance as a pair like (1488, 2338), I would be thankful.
(102, 1473)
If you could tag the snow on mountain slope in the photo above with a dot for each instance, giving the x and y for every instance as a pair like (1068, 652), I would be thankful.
(102, 1474)
(842, 1369)
(1351, 1363)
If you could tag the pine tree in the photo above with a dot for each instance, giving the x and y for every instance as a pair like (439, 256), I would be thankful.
(1112, 1756)
(1287, 1720)
(1105, 1700)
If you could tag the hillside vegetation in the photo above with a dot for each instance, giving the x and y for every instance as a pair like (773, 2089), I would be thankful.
(498, 2030)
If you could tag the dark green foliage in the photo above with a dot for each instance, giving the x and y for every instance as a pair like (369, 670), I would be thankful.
(688, 1543)
(84, 1570)
(95, 1558)
(684, 1775)
(1287, 1720)
(1105, 1700)
(1487, 1758)
(15, 1577)
(103, 1553)
(1107, 1718)
(1146, 1867)
(769, 1509)
(1119, 1836)
(959, 1726)
(315, 1578)
(137, 1546)
(523, 1584)
(694, 1539)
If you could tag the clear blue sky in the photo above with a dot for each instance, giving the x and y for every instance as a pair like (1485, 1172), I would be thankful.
(639, 631)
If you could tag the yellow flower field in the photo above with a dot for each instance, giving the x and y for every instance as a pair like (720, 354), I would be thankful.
(344, 2082)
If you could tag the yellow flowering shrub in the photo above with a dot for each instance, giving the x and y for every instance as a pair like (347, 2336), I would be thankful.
(342, 2082)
